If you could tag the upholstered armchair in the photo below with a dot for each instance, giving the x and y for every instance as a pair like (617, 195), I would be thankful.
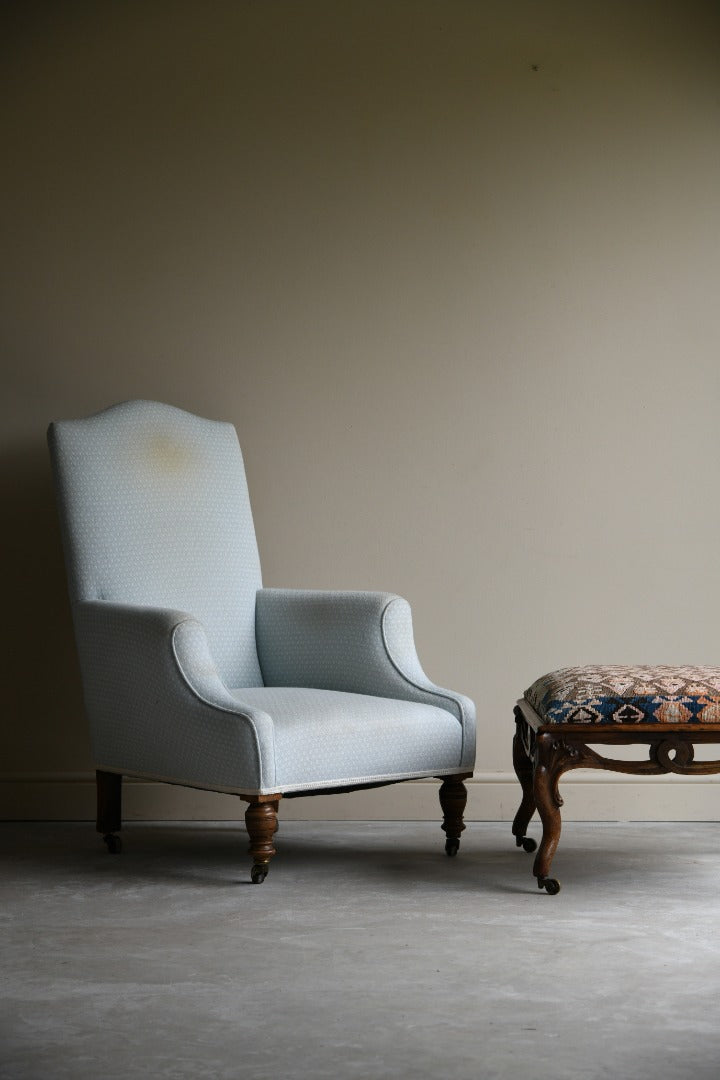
(194, 674)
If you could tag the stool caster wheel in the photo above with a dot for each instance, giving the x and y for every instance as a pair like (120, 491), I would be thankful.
(550, 884)
(528, 844)
(452, 847)
(258, 873)
(113, 843)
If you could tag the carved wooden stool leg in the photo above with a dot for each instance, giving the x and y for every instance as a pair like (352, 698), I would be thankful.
(261, 822)
(453, 798)
(523, 765)
(553, 756)
(109, 808)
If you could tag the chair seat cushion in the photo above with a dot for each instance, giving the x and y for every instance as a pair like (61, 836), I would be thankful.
(627, 695)
(326, 738)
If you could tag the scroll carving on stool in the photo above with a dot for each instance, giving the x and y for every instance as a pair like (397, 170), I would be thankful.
(665, 709)
(683, 759)
(553, 757)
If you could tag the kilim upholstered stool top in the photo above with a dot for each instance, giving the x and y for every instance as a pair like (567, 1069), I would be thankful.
(665, 708)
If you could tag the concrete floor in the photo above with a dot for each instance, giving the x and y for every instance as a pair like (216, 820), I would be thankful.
(367, 953)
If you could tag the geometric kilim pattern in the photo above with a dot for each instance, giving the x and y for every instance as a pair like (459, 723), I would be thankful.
(627, 695)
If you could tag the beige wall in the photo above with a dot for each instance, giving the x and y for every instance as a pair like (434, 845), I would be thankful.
(452, 270)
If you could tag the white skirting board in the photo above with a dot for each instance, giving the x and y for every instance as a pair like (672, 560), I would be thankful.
(589, 796)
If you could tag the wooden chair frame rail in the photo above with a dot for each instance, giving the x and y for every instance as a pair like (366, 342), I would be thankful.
(261, 816)
(542, 754)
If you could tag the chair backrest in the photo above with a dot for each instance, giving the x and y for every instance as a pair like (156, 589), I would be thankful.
(155, 512)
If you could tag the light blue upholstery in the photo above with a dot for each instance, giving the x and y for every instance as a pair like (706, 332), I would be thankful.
(158, 706)
(329, 737)
(358, 642)
(168, 606)
(156, 512)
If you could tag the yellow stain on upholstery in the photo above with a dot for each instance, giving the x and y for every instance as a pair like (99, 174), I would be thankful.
(168, 455)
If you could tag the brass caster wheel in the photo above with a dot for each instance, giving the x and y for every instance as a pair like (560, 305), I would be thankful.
(528, 844)
(452, 846)
(113, 843)
(550, 884)
(258, 873)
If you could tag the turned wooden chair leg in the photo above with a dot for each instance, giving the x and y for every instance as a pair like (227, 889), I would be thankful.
(109, 808)
(262, 823)
(453, 799)
(523, 765)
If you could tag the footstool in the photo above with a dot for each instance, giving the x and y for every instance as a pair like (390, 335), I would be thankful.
(667, 709)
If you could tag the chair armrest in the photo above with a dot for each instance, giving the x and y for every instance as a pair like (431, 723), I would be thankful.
(157, 704)
(360, 642)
